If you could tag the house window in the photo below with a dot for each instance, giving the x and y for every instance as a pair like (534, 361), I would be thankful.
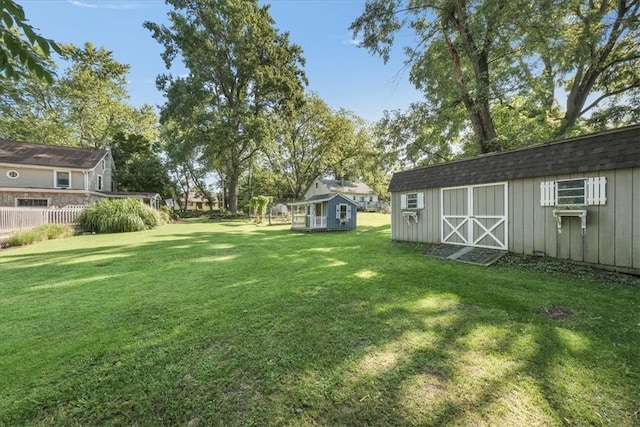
(316, 185)
(104, 164)
(571, 192)
(99, 182)
(13, 174)
(63, 179)
(32, 203)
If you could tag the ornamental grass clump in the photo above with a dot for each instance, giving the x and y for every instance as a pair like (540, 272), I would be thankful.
(119, 216)
(39, 234)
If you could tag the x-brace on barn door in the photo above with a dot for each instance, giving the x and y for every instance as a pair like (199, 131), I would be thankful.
(475, 215)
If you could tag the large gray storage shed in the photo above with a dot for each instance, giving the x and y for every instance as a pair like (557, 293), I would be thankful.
(577, 199)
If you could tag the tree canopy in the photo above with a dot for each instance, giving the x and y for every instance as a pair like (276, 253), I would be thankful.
(22, 49)
(495, 66)
(242, 72)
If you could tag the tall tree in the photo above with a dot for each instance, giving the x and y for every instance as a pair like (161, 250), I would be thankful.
(29, 111)
(241, 71)
(86, 106)
(316, 141)
(187, 164)
(94, 95)
(475, 56)
(599, 58)
(416, 137)
(138, 166)
(304, 146)
(22, 50)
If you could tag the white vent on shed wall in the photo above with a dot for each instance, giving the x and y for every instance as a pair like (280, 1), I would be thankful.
(596, 190)
(548, 193)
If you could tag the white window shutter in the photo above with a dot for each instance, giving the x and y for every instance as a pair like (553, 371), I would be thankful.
(403, 201)
(547, 193)
(337, 211)
(348, 211)
(596, 190)
(420, 200)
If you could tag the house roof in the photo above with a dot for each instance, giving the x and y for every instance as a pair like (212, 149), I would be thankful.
(613, 149)
(132, 194)
(349, 187)
(322, 198)
(25, 153)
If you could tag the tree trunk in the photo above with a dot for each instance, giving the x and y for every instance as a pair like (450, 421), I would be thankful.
(234, 184)
(479, 110)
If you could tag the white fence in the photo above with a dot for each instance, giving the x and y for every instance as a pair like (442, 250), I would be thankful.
(16, 219)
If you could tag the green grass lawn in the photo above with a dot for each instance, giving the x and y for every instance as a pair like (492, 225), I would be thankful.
(233, 324)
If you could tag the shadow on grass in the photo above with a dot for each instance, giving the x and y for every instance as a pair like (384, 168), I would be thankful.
(233, 324)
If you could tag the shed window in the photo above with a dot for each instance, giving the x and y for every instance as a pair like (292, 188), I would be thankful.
(571, 192)
(63, 179)
(32, 203)
(343, 212)
(590, 191)
(412, 201)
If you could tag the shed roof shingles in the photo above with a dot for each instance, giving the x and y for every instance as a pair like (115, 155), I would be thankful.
(607, 150)
(25, 153)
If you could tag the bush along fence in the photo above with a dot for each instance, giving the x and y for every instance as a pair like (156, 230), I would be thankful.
(16, 219)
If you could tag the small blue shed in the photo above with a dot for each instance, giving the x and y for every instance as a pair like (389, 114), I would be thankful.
(324, 212)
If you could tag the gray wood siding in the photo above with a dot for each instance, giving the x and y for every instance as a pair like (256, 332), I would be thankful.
(45, 178)
(635, 214)
(427, 229)
(612, 236)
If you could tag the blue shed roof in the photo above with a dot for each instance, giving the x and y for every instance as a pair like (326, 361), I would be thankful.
(327, 197)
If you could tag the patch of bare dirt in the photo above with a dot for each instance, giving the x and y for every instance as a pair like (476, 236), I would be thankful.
(557, 312)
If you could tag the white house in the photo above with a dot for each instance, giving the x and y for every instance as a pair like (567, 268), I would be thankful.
(361, 194)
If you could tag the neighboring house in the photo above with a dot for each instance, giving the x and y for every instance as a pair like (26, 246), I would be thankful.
(324, 212)
(365, 198)
(195, 202)
(576, 199)
(36, 175)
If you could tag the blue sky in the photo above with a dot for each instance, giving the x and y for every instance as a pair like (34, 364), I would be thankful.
(344, 75)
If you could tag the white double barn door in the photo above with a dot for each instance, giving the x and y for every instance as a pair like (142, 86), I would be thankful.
(475, 215)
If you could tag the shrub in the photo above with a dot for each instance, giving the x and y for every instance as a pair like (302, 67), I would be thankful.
(57, 231)
(118, 216)
(39, 234)
(166, 214)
